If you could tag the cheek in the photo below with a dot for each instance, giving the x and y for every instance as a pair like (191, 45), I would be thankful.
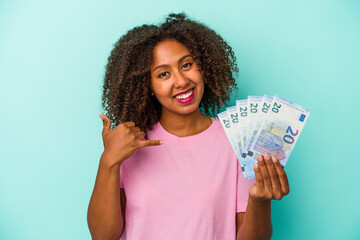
(198, 76)
(161, 89)
(200, 82)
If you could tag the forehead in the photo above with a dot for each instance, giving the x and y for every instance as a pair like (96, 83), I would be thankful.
(169, 51)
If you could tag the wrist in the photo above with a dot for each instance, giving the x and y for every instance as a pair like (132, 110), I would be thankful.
(259, 201)
(109, 162)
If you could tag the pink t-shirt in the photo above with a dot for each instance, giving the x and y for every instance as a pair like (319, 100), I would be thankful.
(188, 188)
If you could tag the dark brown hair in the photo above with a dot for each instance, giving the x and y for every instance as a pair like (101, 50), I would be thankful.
(126, 90)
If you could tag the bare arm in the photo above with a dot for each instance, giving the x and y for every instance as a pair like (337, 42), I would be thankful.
(105, 214)
(256, 222)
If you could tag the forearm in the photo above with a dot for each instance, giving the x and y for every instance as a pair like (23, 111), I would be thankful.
(104, 214)
(257, 221)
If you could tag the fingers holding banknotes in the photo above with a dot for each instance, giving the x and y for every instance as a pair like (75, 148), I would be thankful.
(271, 179)
(122, 142)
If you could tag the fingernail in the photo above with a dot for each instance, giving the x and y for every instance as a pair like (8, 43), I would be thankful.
(260, 159)
(161, 142)
(274, 159)
(256, 165)
(267, 156)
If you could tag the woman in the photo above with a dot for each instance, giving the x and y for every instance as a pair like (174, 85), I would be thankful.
(168, 170)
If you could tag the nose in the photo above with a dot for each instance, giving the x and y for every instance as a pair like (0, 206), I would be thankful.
(180, 80)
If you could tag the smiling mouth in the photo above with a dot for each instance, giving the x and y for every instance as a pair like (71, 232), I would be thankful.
(185, 95)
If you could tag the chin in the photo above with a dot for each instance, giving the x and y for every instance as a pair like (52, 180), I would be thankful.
(189, 111)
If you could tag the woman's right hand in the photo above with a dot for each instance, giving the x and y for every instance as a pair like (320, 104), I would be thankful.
(123, 141)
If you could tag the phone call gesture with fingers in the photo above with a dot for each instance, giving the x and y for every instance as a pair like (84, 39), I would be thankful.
(123, 141)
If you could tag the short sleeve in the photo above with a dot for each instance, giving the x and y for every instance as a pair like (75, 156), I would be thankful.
(242, 190)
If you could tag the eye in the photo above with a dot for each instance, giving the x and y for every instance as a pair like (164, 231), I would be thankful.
(164, 74)
(186, 65)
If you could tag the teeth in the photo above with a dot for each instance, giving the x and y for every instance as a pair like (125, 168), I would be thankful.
(185, 95)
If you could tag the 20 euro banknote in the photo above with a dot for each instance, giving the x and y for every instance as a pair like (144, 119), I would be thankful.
(280, 130)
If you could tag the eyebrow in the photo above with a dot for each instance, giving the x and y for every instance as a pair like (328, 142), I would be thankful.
(164, 65)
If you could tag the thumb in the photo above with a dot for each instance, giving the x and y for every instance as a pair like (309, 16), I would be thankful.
(106, 123)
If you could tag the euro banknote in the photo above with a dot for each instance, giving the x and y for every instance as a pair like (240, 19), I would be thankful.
(260, 125)
(230, 132)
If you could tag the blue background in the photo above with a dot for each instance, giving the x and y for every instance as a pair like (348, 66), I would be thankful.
(52, 61)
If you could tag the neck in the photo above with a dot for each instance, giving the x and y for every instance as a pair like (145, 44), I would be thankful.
(184, 125)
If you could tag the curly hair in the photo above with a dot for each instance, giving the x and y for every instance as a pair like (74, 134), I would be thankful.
(126, 90)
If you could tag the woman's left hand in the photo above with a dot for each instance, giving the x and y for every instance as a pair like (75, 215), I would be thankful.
(271, 180)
